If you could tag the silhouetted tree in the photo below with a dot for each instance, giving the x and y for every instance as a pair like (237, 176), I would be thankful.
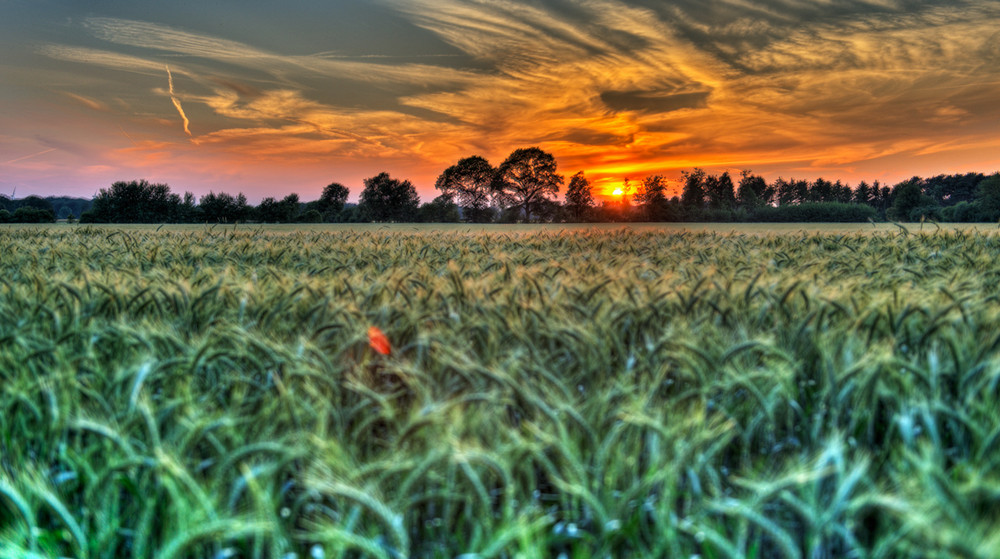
(526, 178)
(223, 207)
(470, 182)
(36, 202)
(652, 198)
(881, 198)
(791, 191)
(842, 193)
(720, 192)
(268, 211)
(332, 200)
(820, 191)
(442, 209)
(309, 216)
(32, 214)
(289, 208)
(948, 190)
(547, 210)
(135, 201)
(988, 197)
(387, 199)
(909, 201)
(579, 198)
(753, 191)
(693, 195)
(64, 206)
(863, 194)
(189, 212)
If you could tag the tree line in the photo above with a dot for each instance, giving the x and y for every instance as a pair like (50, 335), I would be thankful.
(524, 188)
(35, 209)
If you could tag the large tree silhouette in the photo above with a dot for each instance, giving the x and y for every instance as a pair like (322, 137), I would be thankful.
(333, 199)
(387, 199)
(135, 201)
(579, 199)
(693, 196)
(652, 196)
(526, 178)
(469, 181)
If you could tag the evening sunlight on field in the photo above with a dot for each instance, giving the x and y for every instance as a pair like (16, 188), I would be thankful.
(402, 392)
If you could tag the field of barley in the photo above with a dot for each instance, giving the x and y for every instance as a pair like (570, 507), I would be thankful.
(610, 392)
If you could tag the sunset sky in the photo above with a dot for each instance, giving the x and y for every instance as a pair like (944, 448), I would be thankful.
(270, 98)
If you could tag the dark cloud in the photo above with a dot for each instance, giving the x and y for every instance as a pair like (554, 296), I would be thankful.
(592, 137)
(653, 101)
(243, 89)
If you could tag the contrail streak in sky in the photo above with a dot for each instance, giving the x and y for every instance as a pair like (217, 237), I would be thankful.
(126, 134)
(177, 102)
(23, 157)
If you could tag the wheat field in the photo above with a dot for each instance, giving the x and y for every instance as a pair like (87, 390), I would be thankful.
(610, 392)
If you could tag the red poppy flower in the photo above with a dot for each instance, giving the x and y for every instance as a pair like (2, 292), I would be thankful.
(378, 341)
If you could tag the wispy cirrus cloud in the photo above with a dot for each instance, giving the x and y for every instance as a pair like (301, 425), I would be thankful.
(179, 42)
(101, 57)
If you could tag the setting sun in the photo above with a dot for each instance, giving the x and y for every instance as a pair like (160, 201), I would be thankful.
(617, 192)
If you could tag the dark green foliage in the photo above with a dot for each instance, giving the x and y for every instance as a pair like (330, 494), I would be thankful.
(548, 211)
(815, 212)
(350, 214)
(988, 197)
(135, 201)
(719, 192)
(224, 208)
(964, 212)
(60, 206)
(652, 200)
(693, 196)
(35, 202)
(526, 179)
(64, 206)
(948, 190)
(791, 191)
(523, 187)
(331, 201)
(579, 199)
(30, 209)
(274, 211)
(470, 181)
(385, 199)
(29, 214)
(821, 190)
(269, 211)
(753, 191)
(910, 203)
(864, 194)
(310, 216)
(442, 209)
